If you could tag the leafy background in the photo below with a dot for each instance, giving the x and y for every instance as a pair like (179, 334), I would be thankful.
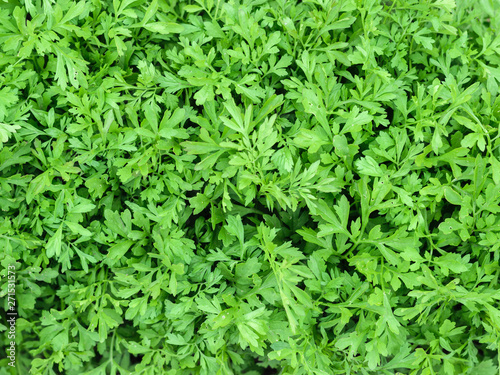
(251, 187)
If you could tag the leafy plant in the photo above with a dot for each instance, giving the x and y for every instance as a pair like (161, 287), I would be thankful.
(251, 187)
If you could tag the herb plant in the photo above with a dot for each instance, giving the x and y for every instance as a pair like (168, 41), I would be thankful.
(251, 187)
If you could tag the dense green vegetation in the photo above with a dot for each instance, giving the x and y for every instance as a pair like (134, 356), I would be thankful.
(251, 187)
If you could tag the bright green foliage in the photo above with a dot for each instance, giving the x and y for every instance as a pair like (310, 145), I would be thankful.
(251, 187)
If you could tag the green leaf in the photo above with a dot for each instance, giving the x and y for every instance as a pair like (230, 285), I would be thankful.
(355, 121)
(235, 227)
(54, 244)
(495, 170)
(333, 223)
(78, 229)
(486, 367)
(452, 196)
(368, 166)
(117, 251)
(6, 131)
(38, 186)
(164, 28)
(389, 255)
(192, 8)
(450, 225)
(199, 203)
(453, 262)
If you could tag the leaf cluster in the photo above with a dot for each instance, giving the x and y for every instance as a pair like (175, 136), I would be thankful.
(249, 186)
